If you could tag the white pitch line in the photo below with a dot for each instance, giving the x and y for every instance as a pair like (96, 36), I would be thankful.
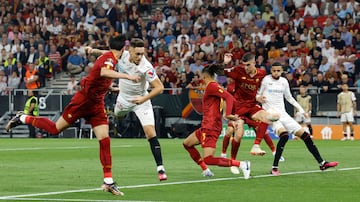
(172, 183)
(80, 200)
(57, 148)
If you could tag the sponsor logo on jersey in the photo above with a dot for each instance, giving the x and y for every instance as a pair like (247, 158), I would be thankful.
(221, 90)
(151, 73)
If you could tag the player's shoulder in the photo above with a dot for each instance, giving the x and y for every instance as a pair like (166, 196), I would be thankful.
(213, 85)
(283, 80)
(261, 71)
(145, 65)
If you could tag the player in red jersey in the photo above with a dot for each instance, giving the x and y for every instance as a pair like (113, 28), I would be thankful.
(89, 103)
(247, 81)
(240, 131)
(211, 126)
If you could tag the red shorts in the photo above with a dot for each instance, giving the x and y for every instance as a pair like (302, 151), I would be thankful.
(246, 110)
(207, 137)
(81, 106)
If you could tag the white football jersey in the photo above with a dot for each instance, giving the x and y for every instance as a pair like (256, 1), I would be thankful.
(275, 91)
(145, 70)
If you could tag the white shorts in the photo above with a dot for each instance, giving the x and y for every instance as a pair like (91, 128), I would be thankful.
(347, 117)
(300, 118)
(144, 111)
(287, 122)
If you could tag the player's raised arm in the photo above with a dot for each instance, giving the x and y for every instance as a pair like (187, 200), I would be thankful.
(108, 73)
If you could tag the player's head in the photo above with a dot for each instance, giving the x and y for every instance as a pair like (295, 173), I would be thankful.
(208, 72)
(117, 42)
(302, 90)
(137, 50)
(344, 87)
(249, 62)
(276, 70)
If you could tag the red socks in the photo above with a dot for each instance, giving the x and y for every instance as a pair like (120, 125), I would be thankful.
(42, 123)
(260, 132)
(223, 162)
(225, 143)
(269, 142)
(105, 156)
(234, 148)
(195, 155)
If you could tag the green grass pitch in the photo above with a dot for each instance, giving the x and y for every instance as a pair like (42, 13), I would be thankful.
(70, 170)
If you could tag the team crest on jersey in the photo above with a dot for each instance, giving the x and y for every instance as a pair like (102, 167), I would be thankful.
(257, 80)
(69, 116)
(221, 90)
(243, 77)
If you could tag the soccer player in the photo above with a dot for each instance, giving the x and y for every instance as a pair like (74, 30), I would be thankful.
(211, 126)
(271, 94)
(236, 140)
(305, 102)
(346, 109)
(133, 96)
(247, 81)
(89, 103)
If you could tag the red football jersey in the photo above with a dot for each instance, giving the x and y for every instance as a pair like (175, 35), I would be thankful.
(246, 87)
(212, 105)
(94, 86)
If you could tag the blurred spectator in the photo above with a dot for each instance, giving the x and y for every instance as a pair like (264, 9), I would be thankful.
(345, 80)
(181, 82)
(64, 51)
(20, 55)
(333, 84)
(167, 85)
(189, 74)
(13, 81)
(75, 63)
(31, 78)
(21, 72)
(321, 83)
(55, 59)
(72, 85)
(3, 84)
(311, 9)
(327, 8)
(325, 65)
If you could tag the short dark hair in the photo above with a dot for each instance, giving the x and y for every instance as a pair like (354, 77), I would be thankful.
(117, 42)
(276, 64)
(136, 42)
(213, 69)
(247, 57)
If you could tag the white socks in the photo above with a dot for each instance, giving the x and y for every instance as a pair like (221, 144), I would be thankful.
(108, 180)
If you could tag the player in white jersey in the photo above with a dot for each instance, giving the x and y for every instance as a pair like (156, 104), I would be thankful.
(133, 96)
(346, 109)
(271, 94)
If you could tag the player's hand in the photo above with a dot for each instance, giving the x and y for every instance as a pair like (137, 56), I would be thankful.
(261, 99)
(227, 58)
(232, 117)
(135, 78)
(138, 100)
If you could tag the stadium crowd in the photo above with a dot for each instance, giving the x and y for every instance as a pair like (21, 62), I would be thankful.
(317, 41)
